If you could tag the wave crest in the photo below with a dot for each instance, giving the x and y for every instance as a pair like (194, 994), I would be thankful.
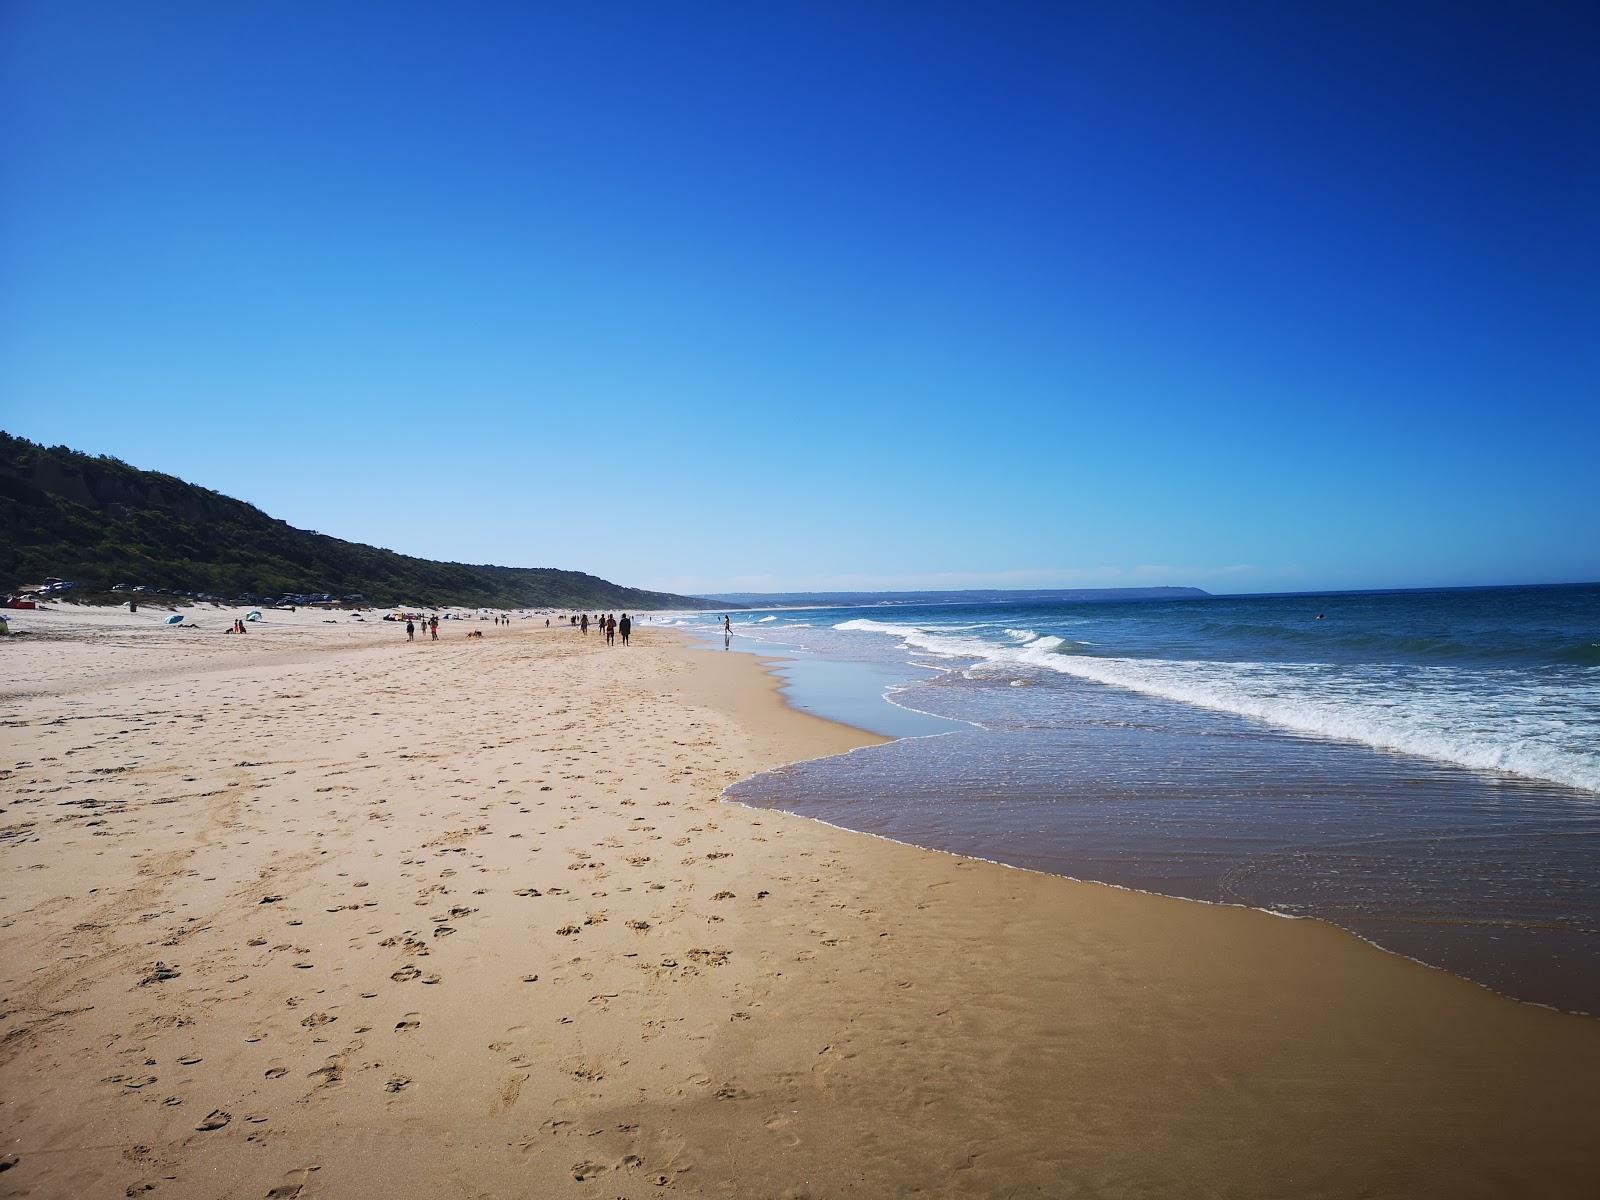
(1436, 721)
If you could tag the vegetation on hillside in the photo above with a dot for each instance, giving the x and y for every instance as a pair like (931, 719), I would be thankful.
(99, 522)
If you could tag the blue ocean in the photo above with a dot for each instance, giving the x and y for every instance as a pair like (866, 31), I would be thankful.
(1420, 767)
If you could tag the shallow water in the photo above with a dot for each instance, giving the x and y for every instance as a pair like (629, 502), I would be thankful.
(1412, 767)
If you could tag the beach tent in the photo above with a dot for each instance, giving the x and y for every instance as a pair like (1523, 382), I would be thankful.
(174, 619)
(253, 615)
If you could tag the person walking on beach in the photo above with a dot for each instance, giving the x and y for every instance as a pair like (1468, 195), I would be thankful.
(611, 630)
(727, 626)
(433, 626)
(411, 630)
(624, 627)
(583, 624)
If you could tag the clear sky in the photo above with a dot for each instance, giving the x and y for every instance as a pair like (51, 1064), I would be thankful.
(702, 296)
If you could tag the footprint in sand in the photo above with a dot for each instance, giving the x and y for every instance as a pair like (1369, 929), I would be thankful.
(411, 1021)
(778, 1125)
(216, 1120)
(511, 1090)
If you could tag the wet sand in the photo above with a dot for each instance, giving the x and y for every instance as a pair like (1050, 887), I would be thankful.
(316, 912)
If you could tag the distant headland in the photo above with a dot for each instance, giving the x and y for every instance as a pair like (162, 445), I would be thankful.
(97, 524)
(973, 596)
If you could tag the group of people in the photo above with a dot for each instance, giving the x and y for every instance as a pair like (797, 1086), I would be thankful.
(609, 625)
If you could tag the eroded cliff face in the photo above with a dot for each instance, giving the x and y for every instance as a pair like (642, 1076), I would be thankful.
(115, 491)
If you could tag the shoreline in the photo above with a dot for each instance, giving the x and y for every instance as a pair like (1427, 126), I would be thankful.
(1069, 800)
(881, 1017)
(888, 698)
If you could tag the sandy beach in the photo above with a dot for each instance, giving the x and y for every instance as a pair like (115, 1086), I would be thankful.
(317, 912)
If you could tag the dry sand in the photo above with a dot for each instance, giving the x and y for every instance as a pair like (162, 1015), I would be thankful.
(316, 912)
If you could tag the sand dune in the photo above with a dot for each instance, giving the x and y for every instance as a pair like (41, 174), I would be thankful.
(316, 912)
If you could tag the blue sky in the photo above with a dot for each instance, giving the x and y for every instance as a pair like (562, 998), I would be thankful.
(704, 296)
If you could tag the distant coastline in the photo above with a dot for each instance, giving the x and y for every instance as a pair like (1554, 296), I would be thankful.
(98, 525)
(963, 596)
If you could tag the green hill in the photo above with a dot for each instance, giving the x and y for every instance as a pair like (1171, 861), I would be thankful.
(99, 522)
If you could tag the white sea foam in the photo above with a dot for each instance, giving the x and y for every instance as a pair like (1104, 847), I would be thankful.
(921, 639)
(764, 620)
(1432, 712)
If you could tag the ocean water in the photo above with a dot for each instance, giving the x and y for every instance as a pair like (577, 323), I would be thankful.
(1422, 768)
